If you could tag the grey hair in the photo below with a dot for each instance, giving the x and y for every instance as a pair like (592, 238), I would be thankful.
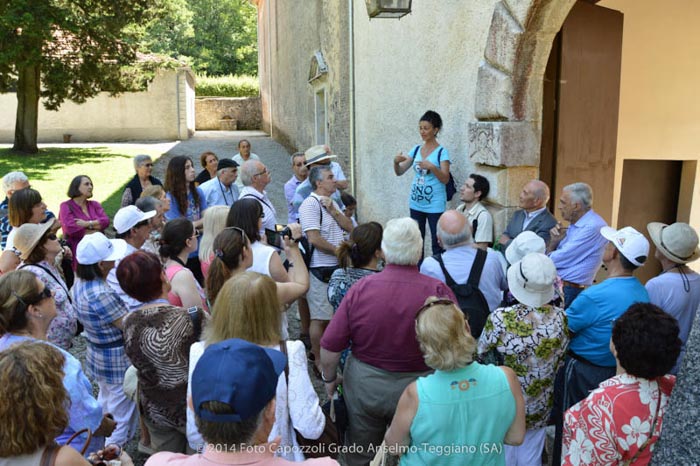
(316, 174)
(451, 240)
(141, 159)
(401, 242)
(248, 171)
(12, 178)
(148, 203)
(582, 193)
(294, 156)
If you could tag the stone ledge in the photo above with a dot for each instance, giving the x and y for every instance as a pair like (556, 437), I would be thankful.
(494, 94)
(504, 143)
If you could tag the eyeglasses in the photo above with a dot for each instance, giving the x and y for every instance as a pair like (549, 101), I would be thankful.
(148, 165)
(438, 302)
(264, 172)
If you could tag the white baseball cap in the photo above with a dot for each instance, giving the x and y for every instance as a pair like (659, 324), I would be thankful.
(96, 248)
(631, 243)
(128, 216)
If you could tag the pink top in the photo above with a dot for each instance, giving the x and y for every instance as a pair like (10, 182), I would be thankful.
(173, 298)
(70, 211)
(252, 457)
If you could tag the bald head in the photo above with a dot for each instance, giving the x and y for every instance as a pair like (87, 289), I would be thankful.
(453, 229)
(534, 196)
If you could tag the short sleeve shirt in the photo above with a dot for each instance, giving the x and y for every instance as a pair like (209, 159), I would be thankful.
(428, 194)
(313, 216)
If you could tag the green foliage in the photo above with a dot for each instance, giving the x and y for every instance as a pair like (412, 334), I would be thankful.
(227, 86)
(216, 37)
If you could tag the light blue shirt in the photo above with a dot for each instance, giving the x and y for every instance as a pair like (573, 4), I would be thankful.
(592, 314)
(193, 213)
(84, 410)
(580, 253)
(217, 194)
(428, 194)
(458, 262)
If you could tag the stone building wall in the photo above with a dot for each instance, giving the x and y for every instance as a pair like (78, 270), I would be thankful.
(245, 111)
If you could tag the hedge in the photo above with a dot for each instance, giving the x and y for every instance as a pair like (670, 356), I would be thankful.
(227, 86)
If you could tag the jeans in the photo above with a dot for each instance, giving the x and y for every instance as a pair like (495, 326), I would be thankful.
(570, 293)
(432, 219)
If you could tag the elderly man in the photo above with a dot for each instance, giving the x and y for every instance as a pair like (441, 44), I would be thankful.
(233, 398)
(324, 224)
(300, 173)
(591, 316)
(471, 193)
(255, 178)
(320, 156)
(533, 214)
(11, 182)
(454, 266)
(577, 251)
(222, 190)
(378, 317)
(677, 289)
(133, 226)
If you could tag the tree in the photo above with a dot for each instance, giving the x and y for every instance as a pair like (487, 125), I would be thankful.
(66, 49)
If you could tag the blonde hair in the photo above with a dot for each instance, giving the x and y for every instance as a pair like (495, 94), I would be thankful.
(34, 408)
(246, 307)
(214, 223)
(154, 190)
(443, 336)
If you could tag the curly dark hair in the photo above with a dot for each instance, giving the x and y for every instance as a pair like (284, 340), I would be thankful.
(176, 183)
(646, 341)
(433, 118)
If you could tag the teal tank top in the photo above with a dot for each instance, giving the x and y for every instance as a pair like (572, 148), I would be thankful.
(462, 418)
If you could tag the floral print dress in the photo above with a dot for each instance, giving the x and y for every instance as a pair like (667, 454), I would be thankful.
(532, 342)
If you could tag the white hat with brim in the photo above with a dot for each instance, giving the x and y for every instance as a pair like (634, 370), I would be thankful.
(316, 154)
(531, 280)
(631, 243)
(96, 248)
(678, 242)
(523, 244)
(127, 217)
(28, 235)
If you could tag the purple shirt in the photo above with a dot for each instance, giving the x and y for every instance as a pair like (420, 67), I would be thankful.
(378, 316)
(290, 188)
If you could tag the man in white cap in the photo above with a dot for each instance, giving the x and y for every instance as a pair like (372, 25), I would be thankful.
(677, 289)
(320, 156)
(591, 316)
(133, 226)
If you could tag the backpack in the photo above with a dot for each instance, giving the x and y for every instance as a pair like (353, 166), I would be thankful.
(451, 186)
(469, 297)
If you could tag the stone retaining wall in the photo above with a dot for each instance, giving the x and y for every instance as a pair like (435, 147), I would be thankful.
(228, 113)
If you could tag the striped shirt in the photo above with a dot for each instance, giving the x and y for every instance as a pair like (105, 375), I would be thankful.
(98, 307)
(313, 216)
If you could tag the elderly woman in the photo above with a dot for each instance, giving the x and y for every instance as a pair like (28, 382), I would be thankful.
(209, 162)
(377, 315)
(530, 336)
(102, 312)
(620, 422)
(214, 223)
(248, 308)
(25, 206)
(79, 216)
(157, 339)
(177, 242)
(159, 193)
(39, 247)
(358, 257)
(157, 222)
(26, 311)
(463, 404)
(143, 164)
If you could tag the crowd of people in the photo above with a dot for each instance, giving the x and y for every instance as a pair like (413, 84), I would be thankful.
(469, 355)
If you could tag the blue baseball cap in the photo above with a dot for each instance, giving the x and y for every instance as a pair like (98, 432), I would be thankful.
(237, 373)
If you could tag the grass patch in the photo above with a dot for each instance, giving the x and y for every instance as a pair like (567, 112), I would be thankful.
(227, 86)
(52, 169)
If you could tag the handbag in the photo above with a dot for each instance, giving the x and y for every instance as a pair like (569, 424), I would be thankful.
(48, 458)
(326, 443)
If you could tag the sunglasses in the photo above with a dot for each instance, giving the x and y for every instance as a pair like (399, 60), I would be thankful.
(43, 294)
(148, 165)
(438, 302)
(52, 237)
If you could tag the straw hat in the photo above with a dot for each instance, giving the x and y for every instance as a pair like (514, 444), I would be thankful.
(678, 242)
(28, 235)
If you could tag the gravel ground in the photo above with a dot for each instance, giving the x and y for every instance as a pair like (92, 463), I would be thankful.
(223, 143)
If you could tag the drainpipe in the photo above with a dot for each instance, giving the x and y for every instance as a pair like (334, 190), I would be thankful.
(351, 51)
(269, 63)
(177, 98)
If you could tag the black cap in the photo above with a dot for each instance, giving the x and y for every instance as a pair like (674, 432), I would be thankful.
(226, 163)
